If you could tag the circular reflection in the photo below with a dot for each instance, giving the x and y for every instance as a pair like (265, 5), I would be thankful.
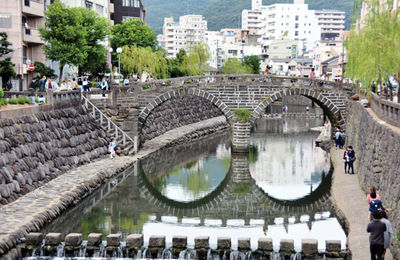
(287, 166)
(195, 179)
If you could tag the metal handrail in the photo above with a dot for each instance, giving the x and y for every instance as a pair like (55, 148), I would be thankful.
(110, 123)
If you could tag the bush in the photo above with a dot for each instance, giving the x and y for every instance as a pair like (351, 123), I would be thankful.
(3, 102)
(1, 93)
(36, 100)
(146, 86)
(23, 100)
(243, 114)
(13, 101)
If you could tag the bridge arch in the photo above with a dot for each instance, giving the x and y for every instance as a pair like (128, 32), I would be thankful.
(158, 101)
(327, 105)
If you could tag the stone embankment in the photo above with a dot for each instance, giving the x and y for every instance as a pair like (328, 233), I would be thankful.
(134, 246)
(377, 147)
(39, 147)
(33, 210)
(176, 112)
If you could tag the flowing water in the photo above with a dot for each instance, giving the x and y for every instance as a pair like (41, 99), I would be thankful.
(279, 190)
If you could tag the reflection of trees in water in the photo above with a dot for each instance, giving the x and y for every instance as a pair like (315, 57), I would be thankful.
(253, 153)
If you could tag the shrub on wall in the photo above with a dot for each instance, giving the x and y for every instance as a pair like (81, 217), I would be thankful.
(243, 114)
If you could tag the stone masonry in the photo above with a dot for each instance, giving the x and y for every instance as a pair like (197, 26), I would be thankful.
(377, 147)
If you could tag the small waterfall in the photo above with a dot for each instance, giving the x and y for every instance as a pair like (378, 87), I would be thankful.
(117, 253)
(240, 255)
(296, 256)
(60, 250)
(275, 256)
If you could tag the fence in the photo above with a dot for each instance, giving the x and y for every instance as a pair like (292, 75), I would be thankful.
(386, 110)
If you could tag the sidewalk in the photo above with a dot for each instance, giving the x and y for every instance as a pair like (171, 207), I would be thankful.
(352, 201)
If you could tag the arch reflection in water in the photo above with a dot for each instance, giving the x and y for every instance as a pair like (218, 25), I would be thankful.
(285, 162)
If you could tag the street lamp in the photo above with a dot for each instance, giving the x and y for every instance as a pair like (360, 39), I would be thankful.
(110, 50)
(119, 50)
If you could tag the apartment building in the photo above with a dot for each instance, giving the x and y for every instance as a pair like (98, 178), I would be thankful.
(188, 31)
(125, 9)
(105, 8)
(21, 19)
(331, 23)
(294, 21)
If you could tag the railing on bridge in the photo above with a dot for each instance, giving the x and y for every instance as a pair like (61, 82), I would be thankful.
(386, 110)
(117, 132)
(250, 79)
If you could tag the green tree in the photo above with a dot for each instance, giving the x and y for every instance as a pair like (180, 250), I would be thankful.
(253, 62)
(136, 60)
(6, 66)
(133, 33)
(43, 70)
(96, 31)
(65, 36)
(374, 49)
(234, 66)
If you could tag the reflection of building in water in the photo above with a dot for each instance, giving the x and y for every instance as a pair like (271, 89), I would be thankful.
(288, 165)
(223, 151)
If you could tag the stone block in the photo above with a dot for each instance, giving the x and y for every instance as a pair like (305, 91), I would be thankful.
(113, 240)
(157, 241)
(134, 241)
(201, 242)
(179, 241)
(223, 242)
(287, 245)
(94, 239)
(73, 239)
(333, 246)
(244, 243)
(265, 244)
(52, 239)
(309, 247)
(34, 239)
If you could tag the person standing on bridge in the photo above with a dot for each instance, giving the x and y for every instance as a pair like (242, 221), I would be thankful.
(338, 139)
(352, 157)
(376, 228)
(111, 148)
(312, 73)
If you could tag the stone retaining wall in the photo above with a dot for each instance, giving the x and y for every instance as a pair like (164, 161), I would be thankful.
(176, 112)
(134, 246)
(377, 149)
(38, 147)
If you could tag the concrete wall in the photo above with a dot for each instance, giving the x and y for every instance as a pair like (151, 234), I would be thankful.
(377, 149)
(39, 144)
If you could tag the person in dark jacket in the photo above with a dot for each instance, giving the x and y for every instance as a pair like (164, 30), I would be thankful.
(9, 85)
(32, 86)
(352, 157)
(376, 228)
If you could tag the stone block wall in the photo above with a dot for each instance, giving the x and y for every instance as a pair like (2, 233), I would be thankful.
(377, 149)
(39, 147)
(176, 112)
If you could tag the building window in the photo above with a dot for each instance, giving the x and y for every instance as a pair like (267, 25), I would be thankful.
(99, 9)
(131, 3)
(297, 18)
(5, 20)
(88, 4)
(296, 33)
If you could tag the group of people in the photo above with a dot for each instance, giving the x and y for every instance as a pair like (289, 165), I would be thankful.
(340, 138)
(47, 83)
(379, 227)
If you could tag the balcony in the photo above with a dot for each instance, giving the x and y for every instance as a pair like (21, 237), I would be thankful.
(111, 7)
(32, 36)
(33, 8)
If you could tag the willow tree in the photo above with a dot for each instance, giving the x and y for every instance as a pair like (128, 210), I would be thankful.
(136, 60)
(373, 45)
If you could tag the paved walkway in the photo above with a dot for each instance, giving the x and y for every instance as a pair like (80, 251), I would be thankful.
(352, 201)
(32, 211)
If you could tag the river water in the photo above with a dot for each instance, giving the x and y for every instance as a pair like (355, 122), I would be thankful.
(280, 190)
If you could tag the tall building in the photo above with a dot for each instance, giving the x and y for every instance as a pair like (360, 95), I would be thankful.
(125, 9)
(21, 21)
(190, 30)
(331, 23)
(293, 21)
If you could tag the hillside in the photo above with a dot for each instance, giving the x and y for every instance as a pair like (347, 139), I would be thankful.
(225, 13)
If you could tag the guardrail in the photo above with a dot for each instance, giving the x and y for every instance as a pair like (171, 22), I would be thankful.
(118, 132)
(249, 79)
(386, 110)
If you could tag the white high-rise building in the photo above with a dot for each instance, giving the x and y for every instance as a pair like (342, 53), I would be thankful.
(331, 22)
(293, 21)
(190, 30)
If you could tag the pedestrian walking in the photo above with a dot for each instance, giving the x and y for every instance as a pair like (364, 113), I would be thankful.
(372, 189)
(312, 73)
(343, 139)
(375, 205)
(387, 236)
(32, 86)
(326, 128)
(352, 157)
(9, 85)
(346, 160)
(111, 148)
(376, 228)
(338, 139)
(42, 84)
(266, 72)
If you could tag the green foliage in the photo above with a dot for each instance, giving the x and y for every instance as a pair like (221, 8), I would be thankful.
(225, 13)
(73, 35)
(133, 33)
(3, 102)
(242, 189)
(43, 70)
(145, 86)
(136, 60)
(6, 66)
(23, 100)
(374, 50)
(235, 66)
(13, 101)
(195, 62)
(243, 114)
(36, 100)
(253, 62)
(1, 93)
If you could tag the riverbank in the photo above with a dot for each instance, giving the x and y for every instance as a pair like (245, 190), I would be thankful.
(32, 211)
(351, 200)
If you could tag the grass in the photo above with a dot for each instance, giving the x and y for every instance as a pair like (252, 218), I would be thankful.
(243, 114)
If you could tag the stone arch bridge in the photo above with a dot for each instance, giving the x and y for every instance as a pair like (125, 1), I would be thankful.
(165, 104)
